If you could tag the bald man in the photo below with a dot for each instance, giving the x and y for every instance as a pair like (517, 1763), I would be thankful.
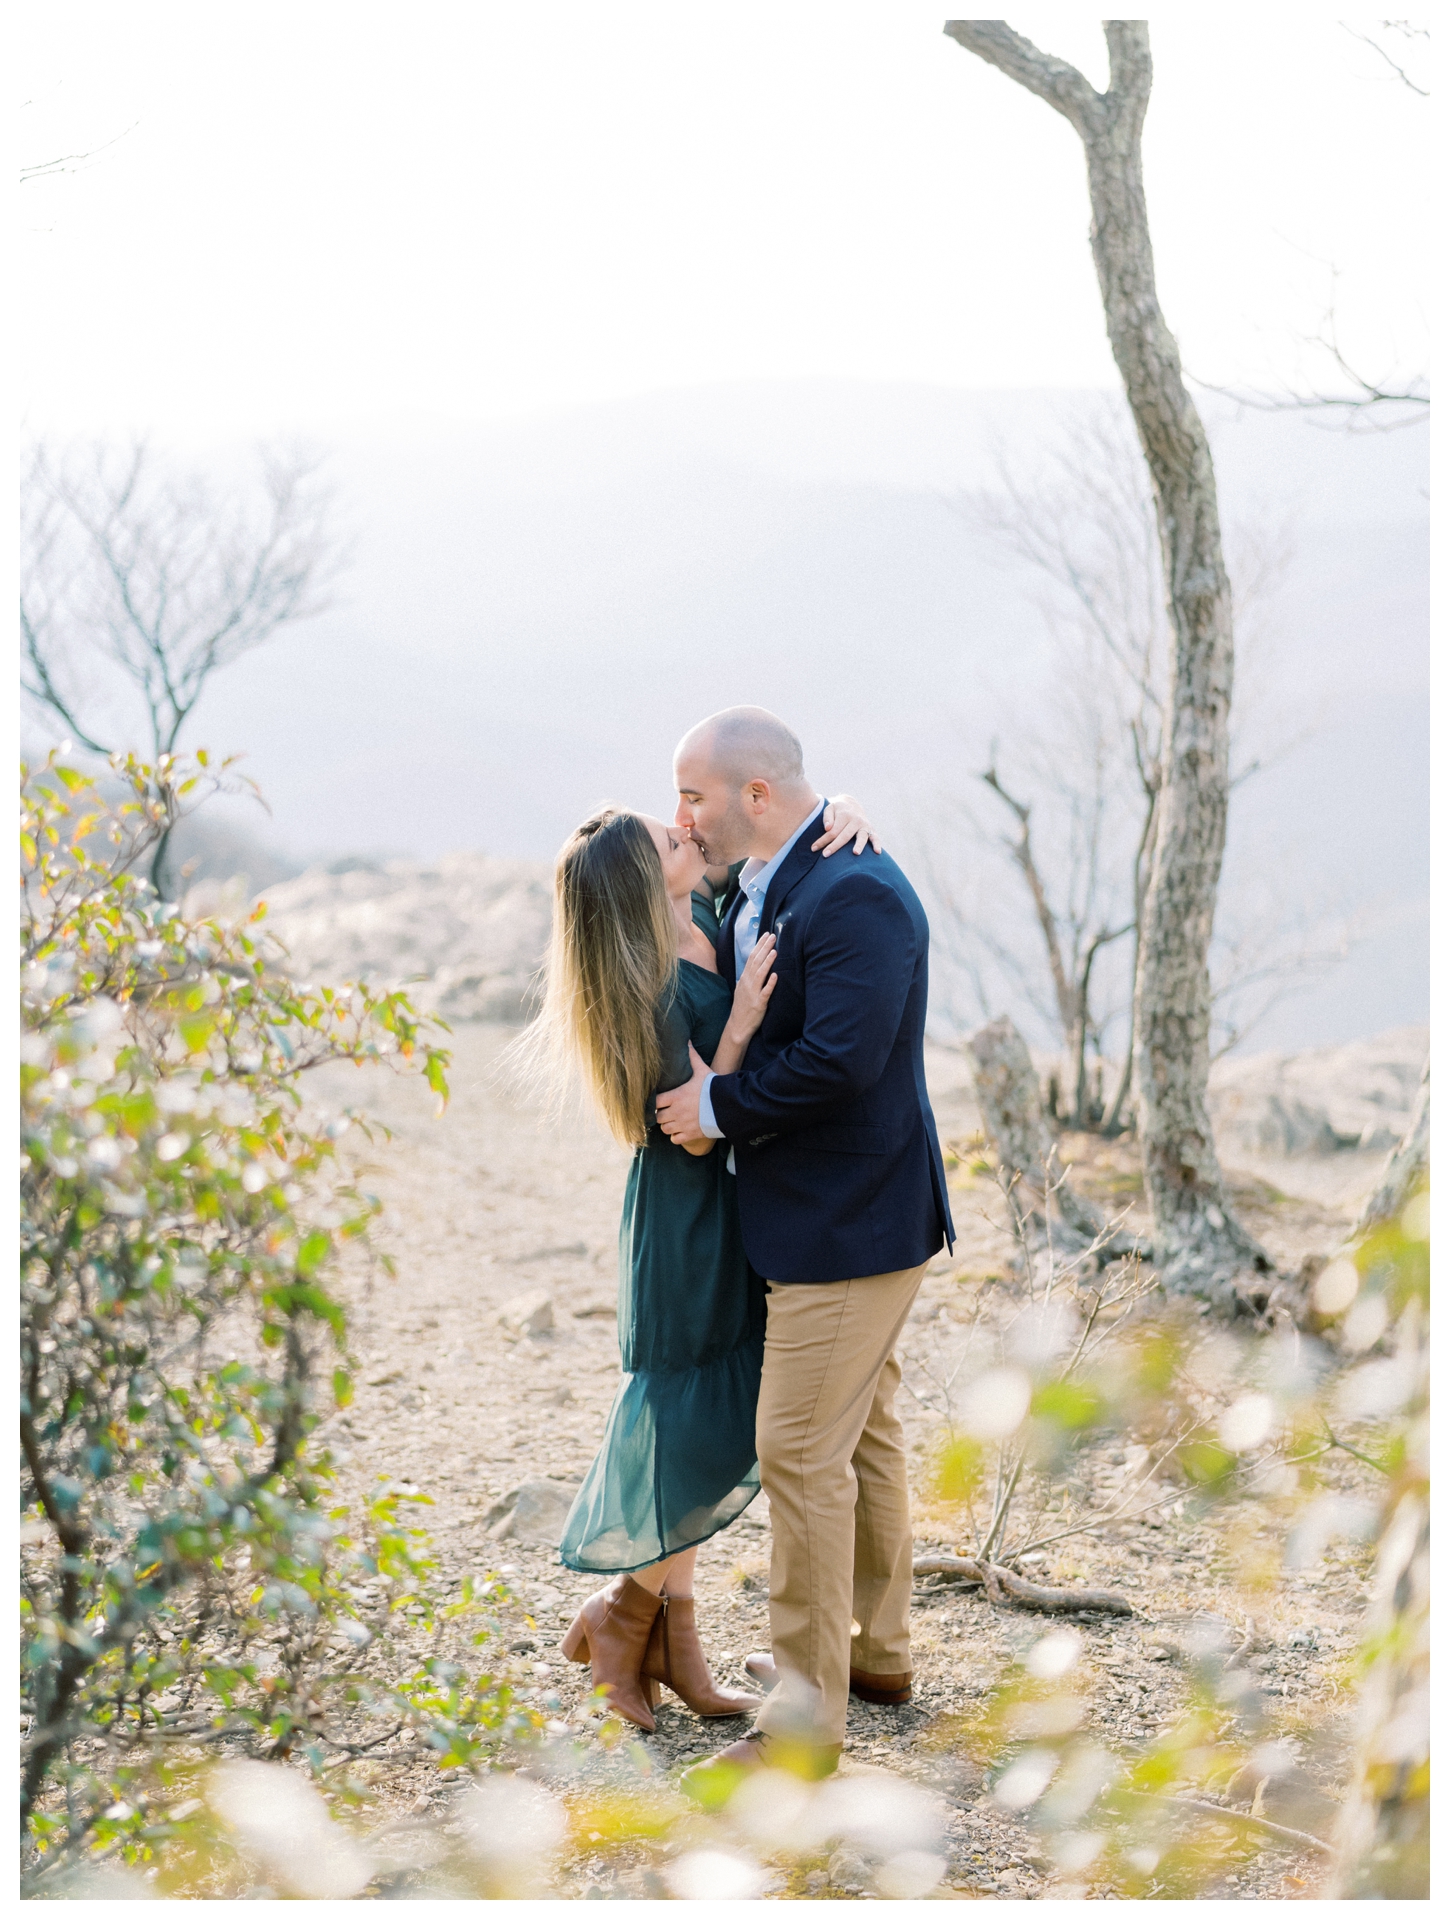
(843, 1202)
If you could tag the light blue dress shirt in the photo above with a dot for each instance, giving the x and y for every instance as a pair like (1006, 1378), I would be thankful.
(755, 879)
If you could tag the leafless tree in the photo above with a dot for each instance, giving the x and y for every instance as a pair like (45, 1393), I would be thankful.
(1200, 1246)
(1086, 528)
(1081, 780)
(138, 579)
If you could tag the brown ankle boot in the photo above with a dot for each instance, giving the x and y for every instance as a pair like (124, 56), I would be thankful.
(675, 1658)
(611, 1632)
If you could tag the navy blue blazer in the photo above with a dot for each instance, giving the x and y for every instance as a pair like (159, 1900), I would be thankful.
(836, 1153)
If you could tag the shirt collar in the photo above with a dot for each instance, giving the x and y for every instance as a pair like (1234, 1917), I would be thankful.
(756, 875)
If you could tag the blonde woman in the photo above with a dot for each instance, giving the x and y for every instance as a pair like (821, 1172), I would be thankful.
(632, 986)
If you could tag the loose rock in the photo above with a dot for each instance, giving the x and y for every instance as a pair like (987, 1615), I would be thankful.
(536, 1512)
(529, 1313)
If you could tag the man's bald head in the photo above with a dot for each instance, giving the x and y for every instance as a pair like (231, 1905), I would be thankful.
(741, 744)
(742, 786)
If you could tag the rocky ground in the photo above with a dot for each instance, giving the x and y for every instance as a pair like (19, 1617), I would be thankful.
(501, 1222)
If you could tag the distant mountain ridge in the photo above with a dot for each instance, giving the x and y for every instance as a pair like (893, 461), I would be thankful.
(466, 936)
(538, 610)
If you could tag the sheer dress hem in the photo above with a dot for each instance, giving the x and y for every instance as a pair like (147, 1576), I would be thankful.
(654, 1490)
(590, 1566)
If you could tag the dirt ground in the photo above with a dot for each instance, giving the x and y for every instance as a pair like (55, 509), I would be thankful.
(488, 1203)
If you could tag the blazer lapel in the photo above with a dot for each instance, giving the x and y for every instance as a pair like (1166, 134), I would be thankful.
(792, 870)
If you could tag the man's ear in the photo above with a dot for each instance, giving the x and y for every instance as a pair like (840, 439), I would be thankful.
(757, 796)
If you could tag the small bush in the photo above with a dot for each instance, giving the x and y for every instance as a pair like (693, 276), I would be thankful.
(189, 1580)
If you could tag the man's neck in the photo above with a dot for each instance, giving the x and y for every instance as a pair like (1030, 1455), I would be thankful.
(769, 839)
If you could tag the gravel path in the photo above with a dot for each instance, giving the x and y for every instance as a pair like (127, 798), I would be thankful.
(489, 1203)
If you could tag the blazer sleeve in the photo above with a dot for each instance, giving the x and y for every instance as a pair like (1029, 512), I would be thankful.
(859, 958)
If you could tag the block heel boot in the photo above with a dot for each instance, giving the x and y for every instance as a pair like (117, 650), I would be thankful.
(675, 1659)
(610, 1635)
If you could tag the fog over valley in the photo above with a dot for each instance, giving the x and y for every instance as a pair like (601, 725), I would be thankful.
(536, 611)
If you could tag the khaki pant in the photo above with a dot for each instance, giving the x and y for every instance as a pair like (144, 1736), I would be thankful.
(833, 1464)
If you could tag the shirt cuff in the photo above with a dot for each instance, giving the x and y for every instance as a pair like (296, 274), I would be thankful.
(707, 1112)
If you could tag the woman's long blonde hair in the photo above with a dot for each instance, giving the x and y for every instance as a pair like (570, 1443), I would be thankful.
(611, 957)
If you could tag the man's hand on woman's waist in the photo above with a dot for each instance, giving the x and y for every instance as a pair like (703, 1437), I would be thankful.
(678, 1111)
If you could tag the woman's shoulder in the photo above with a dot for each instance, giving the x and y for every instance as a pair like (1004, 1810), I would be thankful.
(698, 986)
(689, 990)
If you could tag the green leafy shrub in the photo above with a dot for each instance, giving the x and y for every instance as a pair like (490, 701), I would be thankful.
(190, 1580)
(1255, 1424)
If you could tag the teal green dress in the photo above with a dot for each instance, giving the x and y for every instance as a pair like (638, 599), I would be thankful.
(678, 1459)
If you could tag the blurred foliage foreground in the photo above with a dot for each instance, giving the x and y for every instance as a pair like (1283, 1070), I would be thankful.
(221, 1658)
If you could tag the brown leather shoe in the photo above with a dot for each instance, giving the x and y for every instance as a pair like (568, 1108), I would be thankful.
(611, 1632)
(675, 1658)
(879, 1689)
(711, 1782)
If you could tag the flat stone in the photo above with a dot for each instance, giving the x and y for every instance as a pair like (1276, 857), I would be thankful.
(500, 1509)
(531, 1312)
(536, 1512)
(847, 1870)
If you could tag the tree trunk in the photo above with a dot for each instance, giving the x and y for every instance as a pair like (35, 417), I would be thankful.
(1407, 1167)
(1198, 1243)
(1010, 1103)
(160, 867)
(1115, 1123)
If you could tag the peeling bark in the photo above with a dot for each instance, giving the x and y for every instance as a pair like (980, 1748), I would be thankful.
(1202, 1248)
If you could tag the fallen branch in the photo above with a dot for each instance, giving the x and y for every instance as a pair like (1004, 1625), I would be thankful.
(1003, 1585)
(1255, 1820)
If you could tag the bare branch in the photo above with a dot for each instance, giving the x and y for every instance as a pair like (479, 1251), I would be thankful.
(144, 573)
(1021, 851)
(1002, 1583)
(1233, 1816)
(1375, 403)
(1410, 33)
(71, 162)
(1053, 80)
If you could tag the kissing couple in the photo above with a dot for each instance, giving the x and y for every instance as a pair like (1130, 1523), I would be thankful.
(747, 1011)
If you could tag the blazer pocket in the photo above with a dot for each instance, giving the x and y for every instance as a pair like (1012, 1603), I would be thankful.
(842, 1139)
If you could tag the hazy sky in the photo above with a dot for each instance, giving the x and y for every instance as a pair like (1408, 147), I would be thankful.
(318, 214)
(646, 340)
